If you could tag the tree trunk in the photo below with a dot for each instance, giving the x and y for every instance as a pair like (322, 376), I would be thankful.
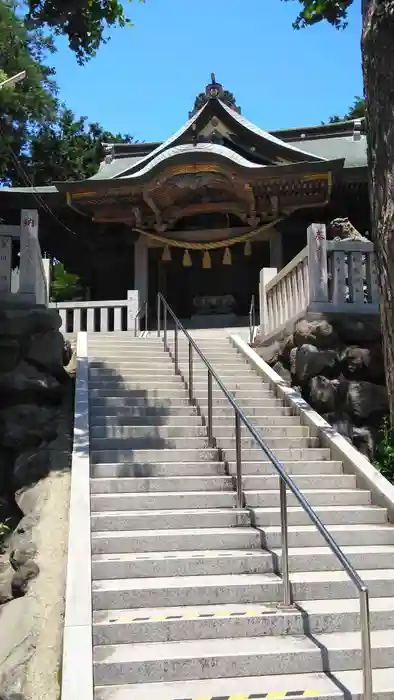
(378, 67)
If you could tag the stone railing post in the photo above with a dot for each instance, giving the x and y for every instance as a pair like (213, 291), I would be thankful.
(28, 257)
(266, 275)
(46, 263)
(132, 307)
(317, 264)
(5, 264)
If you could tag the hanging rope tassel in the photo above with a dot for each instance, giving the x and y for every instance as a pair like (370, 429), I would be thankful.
(206, 260)
(227, 257)
(248, 249)
(166, 257)
(187, 261)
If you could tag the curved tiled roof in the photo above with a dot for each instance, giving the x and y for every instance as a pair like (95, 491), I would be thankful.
(267, 136)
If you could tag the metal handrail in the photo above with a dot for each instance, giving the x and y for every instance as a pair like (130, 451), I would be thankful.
(143, 307)
(252, 320)
(285, 482)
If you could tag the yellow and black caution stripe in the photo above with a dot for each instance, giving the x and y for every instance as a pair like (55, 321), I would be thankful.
(194, 616)
(261, 696)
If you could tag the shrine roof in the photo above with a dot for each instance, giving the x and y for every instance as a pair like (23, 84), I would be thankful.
(345, 140)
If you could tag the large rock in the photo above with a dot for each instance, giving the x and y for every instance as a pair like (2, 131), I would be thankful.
(30, 466)
(318, 333)
(10, 353)
(355, 330)
(26, 322)
(310, 361)
(17, 646)
(46, 351)
(322, 394)
(363, 363)
(27, 425)
(26, 383)
(363, 399)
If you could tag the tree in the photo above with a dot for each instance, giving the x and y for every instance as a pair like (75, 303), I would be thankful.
(29, 103)
(356, 111)
(377, 43)
(83, 22)
(67, 149)
(65, 286)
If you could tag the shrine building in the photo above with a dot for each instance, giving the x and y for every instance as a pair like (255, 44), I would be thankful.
(197, 216)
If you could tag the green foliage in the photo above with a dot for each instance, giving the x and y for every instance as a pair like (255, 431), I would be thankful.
(384, 458)
(356, 111)
(312, 11)
(68, 149)
(40, 141)
(32, 101)
(65, 286)
(83, 22)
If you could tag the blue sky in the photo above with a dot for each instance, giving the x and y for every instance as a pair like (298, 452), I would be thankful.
(145, 79)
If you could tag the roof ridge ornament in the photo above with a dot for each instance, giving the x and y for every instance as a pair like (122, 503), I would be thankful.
(214, 91)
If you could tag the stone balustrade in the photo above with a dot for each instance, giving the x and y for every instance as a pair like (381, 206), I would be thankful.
(98, 316)
(337, 276)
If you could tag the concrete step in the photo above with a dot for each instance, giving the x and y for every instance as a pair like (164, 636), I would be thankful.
(150, 442)
(234, 621)
(121, 445)
(228, 589)
(322, 559)
(220, 423)
(151, 456)
(120, 355)
(316, 497)
(141, 405)
(123, 408)
(167, 502)
(173, 388)
(329, 514)
(165, 403)
(223, 433)
(175, 540)
(115, 420)
(122, 432)
(238, 657)
(345, 535)
(161, 360)
(166, 484)
(345, 685)
(162, 371)
(303, 481)
(283, 455)
(169, 519)
(143, 470)
(249, 443)
(183, 563)
(141, 408)
(157, 469)
(197, 430)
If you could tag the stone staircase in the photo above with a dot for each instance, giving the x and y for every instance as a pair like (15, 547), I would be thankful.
(185, 585)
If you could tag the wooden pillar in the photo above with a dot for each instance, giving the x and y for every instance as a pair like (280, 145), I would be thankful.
(276, 252)
(141, 269)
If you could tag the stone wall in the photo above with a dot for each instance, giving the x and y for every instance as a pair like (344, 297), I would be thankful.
(36, 413)
(337, 364)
